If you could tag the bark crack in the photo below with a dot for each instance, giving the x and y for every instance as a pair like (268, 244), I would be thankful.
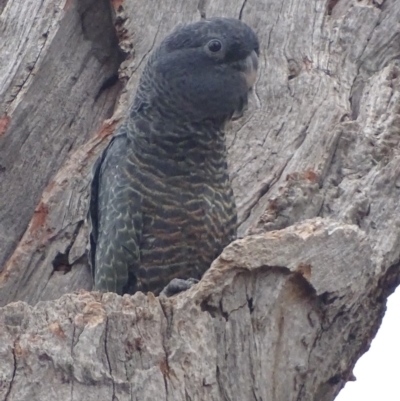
(13, 374)
(278, 350)
(240, 129)
(250, 305)
(73, 339)
(108, 358)
(201, 7)
(72, 356)
(274, 25)
(313, 25)
(262, 190)
(236, 309)
(164, 366)
(30, 67)
(241, 9)
(220, 385)
(148, 51)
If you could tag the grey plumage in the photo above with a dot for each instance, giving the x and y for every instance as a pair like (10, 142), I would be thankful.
(161, 202)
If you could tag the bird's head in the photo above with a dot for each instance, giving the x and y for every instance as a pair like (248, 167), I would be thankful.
(201, 71)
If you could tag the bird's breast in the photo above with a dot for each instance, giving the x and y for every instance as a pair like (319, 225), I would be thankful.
(187, 220)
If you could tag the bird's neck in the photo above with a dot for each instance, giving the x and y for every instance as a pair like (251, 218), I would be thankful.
(195, 143)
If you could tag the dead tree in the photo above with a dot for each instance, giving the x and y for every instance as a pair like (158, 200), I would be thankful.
(285, 311)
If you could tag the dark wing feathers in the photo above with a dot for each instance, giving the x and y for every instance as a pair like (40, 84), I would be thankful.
(115, 215)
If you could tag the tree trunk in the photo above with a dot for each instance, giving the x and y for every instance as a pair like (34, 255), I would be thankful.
(284, 312)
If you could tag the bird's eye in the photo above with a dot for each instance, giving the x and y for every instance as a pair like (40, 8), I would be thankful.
(214, 45)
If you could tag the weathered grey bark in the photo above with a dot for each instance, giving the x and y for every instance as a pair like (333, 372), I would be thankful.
(281, 314)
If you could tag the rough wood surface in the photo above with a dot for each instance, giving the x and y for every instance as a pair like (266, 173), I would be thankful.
(279, 316)
(320, 141)
(56, 58)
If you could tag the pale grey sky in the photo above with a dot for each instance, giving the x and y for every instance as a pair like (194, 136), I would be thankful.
(378, 370)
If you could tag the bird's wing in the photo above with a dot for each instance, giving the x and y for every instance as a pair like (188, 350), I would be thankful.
(116, 222)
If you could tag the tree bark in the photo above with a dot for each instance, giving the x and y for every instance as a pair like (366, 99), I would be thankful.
(284, 312)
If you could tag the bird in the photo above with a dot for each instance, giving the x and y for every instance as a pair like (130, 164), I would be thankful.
(161, 202)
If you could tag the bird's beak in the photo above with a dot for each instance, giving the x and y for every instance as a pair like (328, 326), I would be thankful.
(250, 65)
